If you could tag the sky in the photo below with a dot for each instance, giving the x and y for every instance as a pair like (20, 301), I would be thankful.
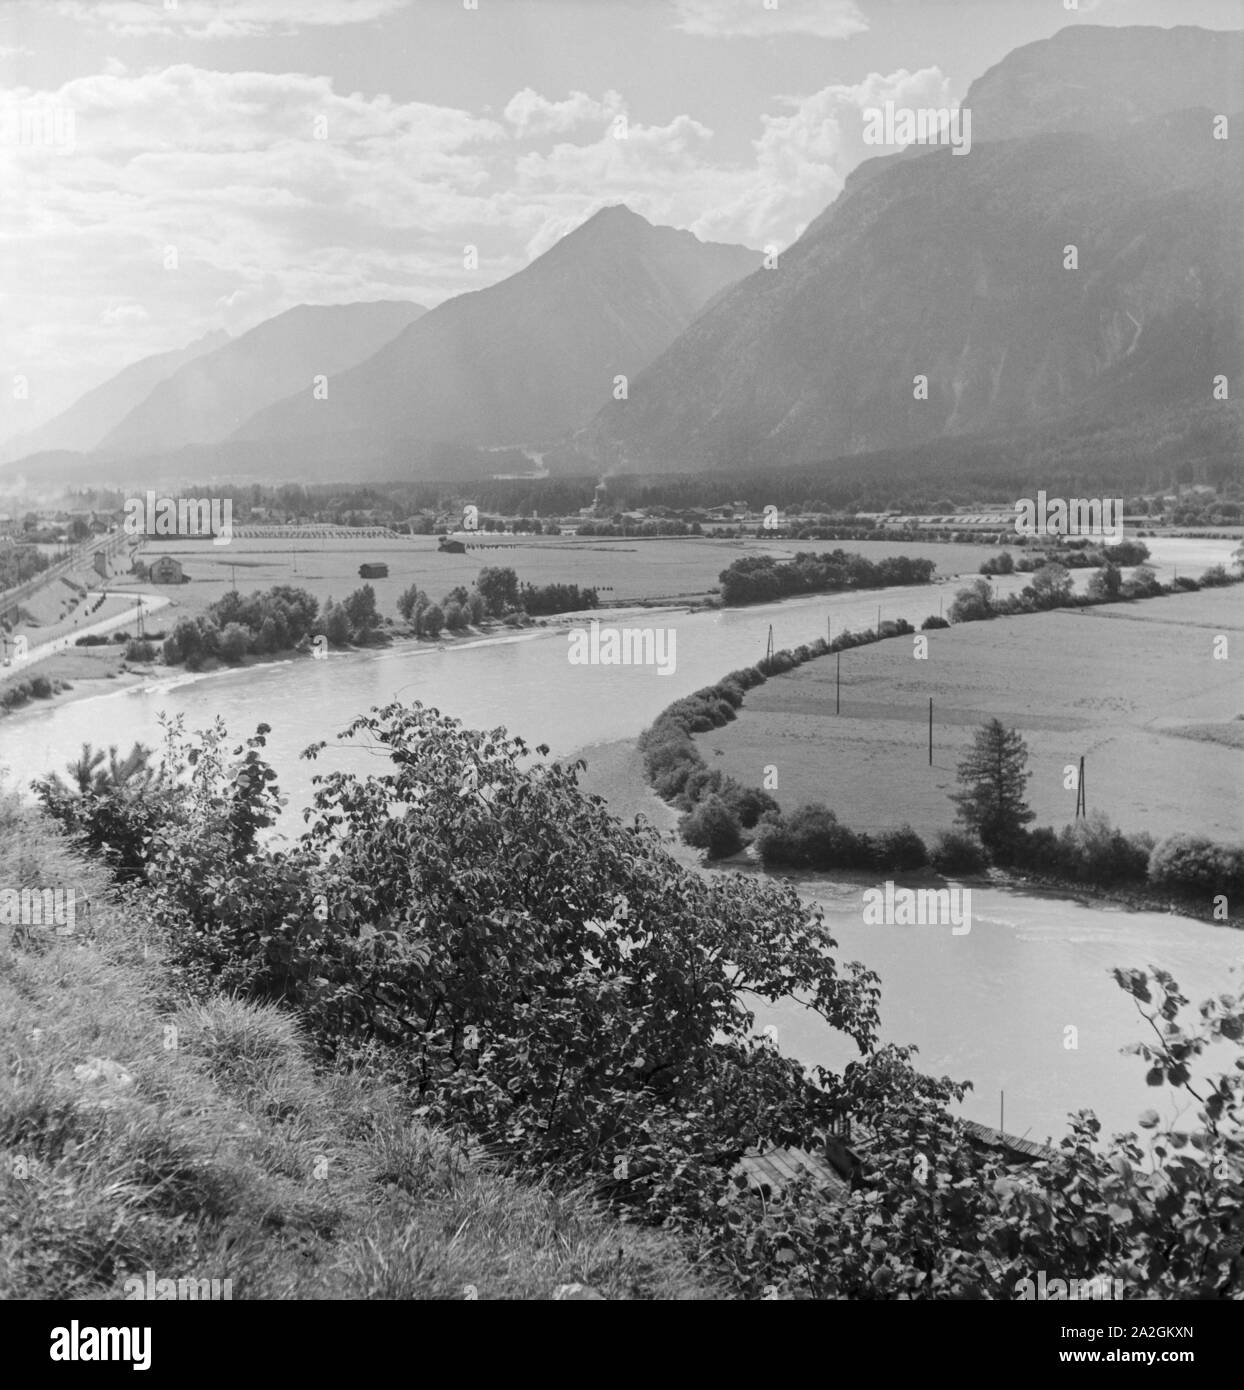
(169, 167)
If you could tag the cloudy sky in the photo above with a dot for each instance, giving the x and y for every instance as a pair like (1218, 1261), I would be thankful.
(173, 166)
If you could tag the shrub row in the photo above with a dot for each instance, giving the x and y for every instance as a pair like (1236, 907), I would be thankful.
(37, 688)
(718, 807)
(761, 578)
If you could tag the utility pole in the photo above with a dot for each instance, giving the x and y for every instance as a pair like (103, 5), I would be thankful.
(1081, 796)
(838, 688)
(930, 731)
(769, 648)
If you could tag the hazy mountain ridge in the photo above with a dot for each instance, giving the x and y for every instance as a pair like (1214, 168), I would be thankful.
(532, 356)
(84, 423)
(206, 400)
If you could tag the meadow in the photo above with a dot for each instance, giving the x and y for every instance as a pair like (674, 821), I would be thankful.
(1133, 687)
(624, 571)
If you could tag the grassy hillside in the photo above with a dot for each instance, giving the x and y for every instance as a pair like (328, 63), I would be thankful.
(200, 1141)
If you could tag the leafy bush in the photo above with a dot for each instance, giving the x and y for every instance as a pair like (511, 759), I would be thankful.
(710, 826)
(14, 695)
(556, 598)
(812, 838)
(111, 806)
(955, 854)
(140, 650)
(1215, 577)
(972, 604)
(746, 678)
(933, 621)
(901, 849)
(1194, 864)
(1093, 851)
(747, 804)
(234, 643)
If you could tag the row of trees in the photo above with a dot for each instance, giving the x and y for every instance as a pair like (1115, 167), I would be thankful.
(18, 563)
(496, 594)
(1053, 587)
(1072, 555)
(761, 578)
(261, 624)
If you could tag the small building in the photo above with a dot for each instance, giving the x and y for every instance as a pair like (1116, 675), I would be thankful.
(373, 571)
(165, 570)
(451, 547)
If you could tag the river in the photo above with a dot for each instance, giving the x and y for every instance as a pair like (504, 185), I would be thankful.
(992, 1005)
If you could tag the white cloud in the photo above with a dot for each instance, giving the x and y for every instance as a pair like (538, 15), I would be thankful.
(123, 315)
(205, 197)
(669, 173)
(186, 185)
(823, 19)
(221, 19)
(533, 115)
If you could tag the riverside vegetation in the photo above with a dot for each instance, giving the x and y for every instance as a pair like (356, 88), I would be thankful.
(285, 618)
(527, 972)
(721, 816)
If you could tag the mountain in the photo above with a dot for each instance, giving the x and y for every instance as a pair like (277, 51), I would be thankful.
(1092, 77)
(952, 266)
(526, 359)
(207, 399)
(92, 416)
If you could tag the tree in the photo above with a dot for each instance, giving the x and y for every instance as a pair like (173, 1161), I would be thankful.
(1106, 583)
(361, 611)
(973, 603)
(411, 599)
(334, 623)
(994, 774)
(432, 620)
(1052, 585)
(1144, 583)
(999, 564)
(498, 588)
(234, 642)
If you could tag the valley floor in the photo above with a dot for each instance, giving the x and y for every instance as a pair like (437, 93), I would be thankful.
(1135, 688)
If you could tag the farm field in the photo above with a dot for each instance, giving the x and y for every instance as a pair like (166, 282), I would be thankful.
(625, 571)
(1133, 687)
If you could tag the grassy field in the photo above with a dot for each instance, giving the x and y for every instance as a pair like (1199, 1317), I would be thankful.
(141, 1132)
(624, 571)
(1133, 687)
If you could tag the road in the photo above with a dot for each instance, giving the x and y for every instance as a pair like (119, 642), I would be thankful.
(150, 603)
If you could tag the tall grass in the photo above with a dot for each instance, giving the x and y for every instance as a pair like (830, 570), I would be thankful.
(141, 1132)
